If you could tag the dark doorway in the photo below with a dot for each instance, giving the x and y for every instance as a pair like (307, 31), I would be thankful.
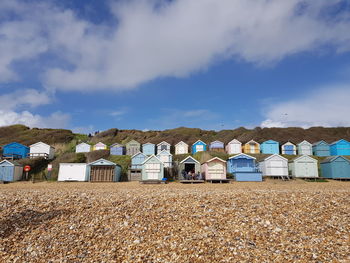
(189, 167)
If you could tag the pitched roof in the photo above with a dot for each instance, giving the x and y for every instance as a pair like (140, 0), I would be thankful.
(181, 142)
(41, 143)
(163, 142)
(332, 158)
(199, 141)
(215, 158)
(242, 154)
(164, 151)
(274, 155)
(301, 157)
(102, 161)
(152, 156)
(235, 141)
(17, 143)
(189, 157)
(138, 154)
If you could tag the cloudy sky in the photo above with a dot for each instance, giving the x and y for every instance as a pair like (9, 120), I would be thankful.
(158, 64)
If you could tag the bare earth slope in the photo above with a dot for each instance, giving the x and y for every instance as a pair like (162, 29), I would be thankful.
(126, 222)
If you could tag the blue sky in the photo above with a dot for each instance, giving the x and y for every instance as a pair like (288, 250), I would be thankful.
(154, 64)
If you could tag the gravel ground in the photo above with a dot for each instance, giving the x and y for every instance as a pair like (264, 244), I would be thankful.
(273, 221)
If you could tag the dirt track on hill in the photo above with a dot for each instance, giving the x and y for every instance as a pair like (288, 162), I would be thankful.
(272, 221)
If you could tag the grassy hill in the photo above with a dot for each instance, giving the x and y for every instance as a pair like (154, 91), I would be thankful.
(65, 140)
(190, 135)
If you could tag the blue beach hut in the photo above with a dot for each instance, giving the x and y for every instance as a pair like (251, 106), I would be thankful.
(321, 148)
(15, 150)
(270, 147)
(199, 146)
(341, 147)
(244, 168)
(10, 171)
(149, 148)
(117, 149)
(137, 160)
(336, 167)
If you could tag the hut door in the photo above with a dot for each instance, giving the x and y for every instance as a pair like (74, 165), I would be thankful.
(163, 147)
(275, 168)
(305, 149)
(304, 169)
(153, 171)
(102, 174)
(289, 149)
(6, 173)
(215, 170)
(252, 148)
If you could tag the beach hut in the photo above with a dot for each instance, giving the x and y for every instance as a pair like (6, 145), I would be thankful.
(72, 172)
(304, 148)
(83, 148)
(321, 148)
(99, 146)
(275, 166)
(15, 150)
(116, 149)
(341, 147)
(217, 146)
(132, 147)
(41, 149)
(137, 160)
(10, 171)
(289, 148)
(244, 168)
(152, 169)
(303, 167)
(270, 147)
(134, 173)
(336, 167)
(234, 147)
(214, 169)
(166, 158)
(163, 146)
(103, 171)
(181, 148)
(149, 148)
(199, 146)
(251, 147)
(189, 164)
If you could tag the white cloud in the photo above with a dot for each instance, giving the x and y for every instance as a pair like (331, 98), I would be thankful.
(328, 107)
(155, 39)
(11, 104)
(55, 120)
(24, 97)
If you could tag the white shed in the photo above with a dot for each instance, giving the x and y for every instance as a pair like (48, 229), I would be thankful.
(274, 165)
(234, 147)
(181, 148)
(163, 146)
(72, 172)
(303, 166)
(304, 148)
(83, 148)
(41, 149)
